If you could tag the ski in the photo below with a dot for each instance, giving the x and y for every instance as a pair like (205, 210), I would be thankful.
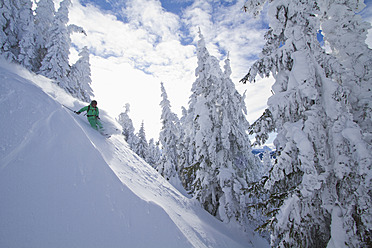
(105, 135)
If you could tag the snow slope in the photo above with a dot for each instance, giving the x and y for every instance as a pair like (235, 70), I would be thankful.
(62, 184)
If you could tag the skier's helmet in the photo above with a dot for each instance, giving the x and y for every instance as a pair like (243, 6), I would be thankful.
(94, 102)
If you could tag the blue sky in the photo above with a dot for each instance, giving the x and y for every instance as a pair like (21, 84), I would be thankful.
(175, 6)
(136, 44)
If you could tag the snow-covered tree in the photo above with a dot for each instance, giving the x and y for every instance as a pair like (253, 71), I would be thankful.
(262, 127)
(9, 37)
(221, 160)
(55, 64)
(141, 147)
(234, 148)
(154, 153)
(26, 33)
(266, 161)
(320, 183)
(168, 138)
(128, 129)
(44, 17)
(17, 33)
(79, 77)
(184, 153)
(232, 112)
(346, 33)
(205, 186)
(3, 24)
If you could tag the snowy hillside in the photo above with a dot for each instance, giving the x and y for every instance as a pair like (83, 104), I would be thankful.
(62, 184)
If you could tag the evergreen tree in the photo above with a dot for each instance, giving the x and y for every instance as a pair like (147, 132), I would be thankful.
(154, 153)
(128, 129)
(79, 77)
(322, 175)
(141, 147)
(266, 161)
(16, 20)
(199, 124)
(55, 64)
(26, 33)
(169, 137)
(3, 24)
(44, 17)
(346, 33)
(232, 111)
(221, 160)
(234, 147)
(262, 127)
(187, 176)
(9, 40)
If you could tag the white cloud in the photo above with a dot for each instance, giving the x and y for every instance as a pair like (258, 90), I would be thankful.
(149, 15)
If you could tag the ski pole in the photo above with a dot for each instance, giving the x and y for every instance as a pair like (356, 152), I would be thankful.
(69, 108)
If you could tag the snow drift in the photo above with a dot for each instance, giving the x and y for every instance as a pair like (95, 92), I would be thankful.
(62, 184)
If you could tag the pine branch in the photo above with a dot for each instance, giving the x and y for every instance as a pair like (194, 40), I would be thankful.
(262, 127)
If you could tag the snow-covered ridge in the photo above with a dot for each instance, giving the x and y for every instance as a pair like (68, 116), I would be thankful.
(62, 184)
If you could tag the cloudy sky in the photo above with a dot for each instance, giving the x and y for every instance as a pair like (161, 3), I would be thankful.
(136, 44)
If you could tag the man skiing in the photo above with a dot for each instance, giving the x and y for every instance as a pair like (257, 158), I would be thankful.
(92, 115)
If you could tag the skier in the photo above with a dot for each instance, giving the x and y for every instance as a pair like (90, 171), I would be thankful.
(92, 115)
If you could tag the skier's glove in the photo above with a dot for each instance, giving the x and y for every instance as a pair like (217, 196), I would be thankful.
(77, 112)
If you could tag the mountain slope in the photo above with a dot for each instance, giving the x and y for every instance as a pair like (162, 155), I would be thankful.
(62, 184)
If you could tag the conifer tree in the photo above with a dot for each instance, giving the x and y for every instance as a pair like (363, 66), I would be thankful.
(319, 143)
(26, 33)
(232, 111)
(346, 33)
(79, 77)
(128, 129)
(169, 136)
(262, 127)
(55, 64)
(184, 153)
(9, 36)
(141, 147)
(266, 161)
(234, 147)
(154, 153)
(3, 25)
(44, 17)
(221, 160)
(198, 124)
(16, 20)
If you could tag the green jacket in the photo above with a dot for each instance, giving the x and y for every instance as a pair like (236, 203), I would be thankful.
(91, 111)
